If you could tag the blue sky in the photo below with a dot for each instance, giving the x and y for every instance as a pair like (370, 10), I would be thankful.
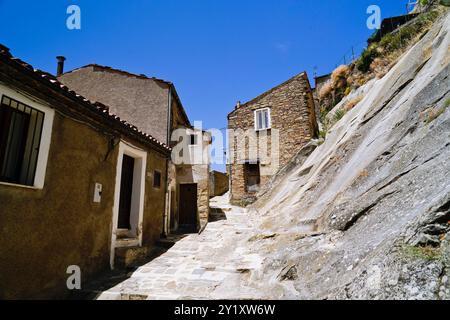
(216, 52)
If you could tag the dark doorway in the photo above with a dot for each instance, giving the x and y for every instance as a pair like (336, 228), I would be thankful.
(252, 177)
(188, 207)
(126, 190)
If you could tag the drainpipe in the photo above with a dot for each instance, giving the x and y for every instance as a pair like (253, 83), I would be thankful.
(166, 225)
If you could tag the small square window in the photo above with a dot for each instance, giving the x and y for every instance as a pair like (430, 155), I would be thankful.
(193, 139)
(157, 179)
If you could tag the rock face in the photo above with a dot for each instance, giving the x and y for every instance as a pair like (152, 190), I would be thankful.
(367, 214)
(363, 215)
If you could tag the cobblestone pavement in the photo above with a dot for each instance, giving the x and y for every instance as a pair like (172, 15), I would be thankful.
(210, 265)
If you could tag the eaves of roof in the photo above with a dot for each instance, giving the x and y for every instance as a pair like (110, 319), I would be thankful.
(143, 77)
(303, 74)
(90, 109)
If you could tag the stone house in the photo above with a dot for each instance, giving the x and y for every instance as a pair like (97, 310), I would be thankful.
(154, 105)
(319, 83)
(266, 133)
(389, 25)
(219, 183)
(78, 185)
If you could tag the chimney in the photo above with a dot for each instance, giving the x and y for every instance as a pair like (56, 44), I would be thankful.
(238, 104)
(60, 69)
(5, 51)
(3, 48)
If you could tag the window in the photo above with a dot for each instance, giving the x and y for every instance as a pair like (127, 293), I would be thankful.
(20, 137)
(262, 119)
(156, 179)
(193, 139)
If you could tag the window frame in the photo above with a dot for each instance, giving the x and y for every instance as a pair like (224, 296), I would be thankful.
(46, 133)
(193, 139)
(26, 149)
(269, 119)
(138, 196)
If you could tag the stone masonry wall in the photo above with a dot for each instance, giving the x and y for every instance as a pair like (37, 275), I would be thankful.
(219, 183)
(292, 113)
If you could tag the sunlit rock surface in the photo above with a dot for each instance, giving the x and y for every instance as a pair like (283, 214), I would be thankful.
(367, 214)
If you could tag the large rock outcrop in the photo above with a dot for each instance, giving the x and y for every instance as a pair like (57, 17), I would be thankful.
(367, 214)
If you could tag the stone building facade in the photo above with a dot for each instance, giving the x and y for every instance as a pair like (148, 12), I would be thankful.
(219, 183)
(65, 199)
(190, 185)
(266, 133)
(321, 81)
(154, 105)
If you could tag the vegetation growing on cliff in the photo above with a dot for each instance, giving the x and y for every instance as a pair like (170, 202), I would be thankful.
(375, 61)
(392, 45)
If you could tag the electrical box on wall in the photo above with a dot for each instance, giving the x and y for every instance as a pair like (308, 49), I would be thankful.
(98, 193)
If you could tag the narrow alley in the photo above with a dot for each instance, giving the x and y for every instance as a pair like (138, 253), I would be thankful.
(209, 265)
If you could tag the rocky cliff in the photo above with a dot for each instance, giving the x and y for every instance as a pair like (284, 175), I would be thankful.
(367, 213)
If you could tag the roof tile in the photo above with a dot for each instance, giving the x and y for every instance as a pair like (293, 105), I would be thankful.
(103, 109)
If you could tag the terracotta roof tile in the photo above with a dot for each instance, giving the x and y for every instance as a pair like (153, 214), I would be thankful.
(94, 106)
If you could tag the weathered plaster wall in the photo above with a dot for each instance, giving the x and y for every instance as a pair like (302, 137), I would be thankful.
(44, 231)
(178, 119)
(142, 102)
(154, 202)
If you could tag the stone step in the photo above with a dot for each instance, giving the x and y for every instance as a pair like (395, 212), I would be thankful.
(170, 240)
(129, 256)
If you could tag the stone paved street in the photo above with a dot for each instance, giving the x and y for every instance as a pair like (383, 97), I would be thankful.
(210, 265)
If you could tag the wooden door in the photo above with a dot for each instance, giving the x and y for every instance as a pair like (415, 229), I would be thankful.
(188, 205)
(126, 191)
